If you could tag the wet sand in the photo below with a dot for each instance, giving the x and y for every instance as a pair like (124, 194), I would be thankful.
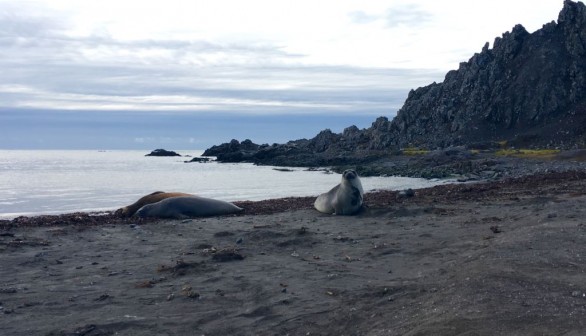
(496, 258)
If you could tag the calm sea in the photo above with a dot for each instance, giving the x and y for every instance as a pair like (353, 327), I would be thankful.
(34, 182)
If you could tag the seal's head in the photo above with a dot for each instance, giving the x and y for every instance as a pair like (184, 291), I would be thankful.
(350, 179)
(349, 174)
(122, 212)
(143, 212)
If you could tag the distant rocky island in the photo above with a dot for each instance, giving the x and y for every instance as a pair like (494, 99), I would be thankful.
(528, 91)
(162, 152)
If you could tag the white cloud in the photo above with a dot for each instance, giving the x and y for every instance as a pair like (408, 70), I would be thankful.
(409, 15)
(251, 56)
(361, 17)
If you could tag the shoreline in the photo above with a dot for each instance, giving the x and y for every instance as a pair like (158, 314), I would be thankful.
(276, 205)
(455, 164)
(105, 182)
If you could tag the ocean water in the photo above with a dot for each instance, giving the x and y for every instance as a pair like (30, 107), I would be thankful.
(35, 182)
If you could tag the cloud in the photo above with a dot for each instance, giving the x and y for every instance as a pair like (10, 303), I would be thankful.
(407, 15)
(361, 17)
(60, 72)
(48, 66)
(253, 90)
(26, 20)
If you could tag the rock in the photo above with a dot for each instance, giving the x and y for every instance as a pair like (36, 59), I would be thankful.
(233, 146)
(495, 229)
(529, 91)
(233, 151)
(199, 160)
(406, 193)
(283, 169)
(488, 173)
(162, 152)
(513, 92)
(228, 254)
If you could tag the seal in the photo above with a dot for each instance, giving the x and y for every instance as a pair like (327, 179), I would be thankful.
(343, 199)
(157, 196)
(187, 207)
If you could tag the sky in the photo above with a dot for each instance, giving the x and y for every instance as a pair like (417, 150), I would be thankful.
(188, 74)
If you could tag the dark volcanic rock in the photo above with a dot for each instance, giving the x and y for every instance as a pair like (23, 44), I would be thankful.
(233, 151)
(199, 160)
(529, 90)
(162, 152)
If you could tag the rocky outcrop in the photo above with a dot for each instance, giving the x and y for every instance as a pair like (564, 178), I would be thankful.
(162, 152)
(529, 90)
(233, 151)
(199, 160)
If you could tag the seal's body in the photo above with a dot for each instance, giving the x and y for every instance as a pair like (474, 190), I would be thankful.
(187, 207)
(343, 199)
(157, 196)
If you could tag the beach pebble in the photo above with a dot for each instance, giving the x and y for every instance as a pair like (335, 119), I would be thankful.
(495, 229)
(227, 255)
(102, 297)
(406, 193)
(188, 292)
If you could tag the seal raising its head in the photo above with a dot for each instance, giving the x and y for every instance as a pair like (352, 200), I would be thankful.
(186, 207)
(343, 199)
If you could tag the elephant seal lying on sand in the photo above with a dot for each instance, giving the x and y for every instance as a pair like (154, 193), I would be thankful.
(157, 196)
(343, 199)
(186, 207)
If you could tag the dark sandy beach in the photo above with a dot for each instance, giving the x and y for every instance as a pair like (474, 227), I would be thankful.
(496, 258)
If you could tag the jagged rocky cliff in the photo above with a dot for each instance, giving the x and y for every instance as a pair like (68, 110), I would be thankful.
(528, 90)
